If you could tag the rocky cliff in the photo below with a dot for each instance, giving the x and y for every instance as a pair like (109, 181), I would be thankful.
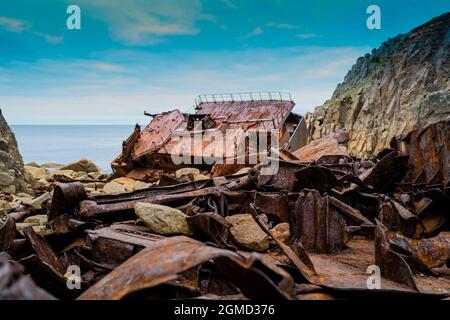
(11, 164)
(401, 86)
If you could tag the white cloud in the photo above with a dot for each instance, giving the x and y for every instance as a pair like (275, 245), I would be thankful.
(285, 26)
(146, 22)
(229, 4)
(255, 32)
(14, 25)
(306, 35)
(50, 38)
(118, 85)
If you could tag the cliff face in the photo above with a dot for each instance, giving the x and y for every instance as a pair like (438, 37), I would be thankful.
(11, 164)
(401, 86)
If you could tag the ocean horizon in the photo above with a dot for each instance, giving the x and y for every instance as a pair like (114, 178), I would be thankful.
(67, 143)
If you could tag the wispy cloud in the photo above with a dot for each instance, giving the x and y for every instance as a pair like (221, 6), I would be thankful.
(50, 38)
(255, 32)
(117, 86)
(284, 26)
(14, 25)
(306, 35)
(139, 22)
(229, 4)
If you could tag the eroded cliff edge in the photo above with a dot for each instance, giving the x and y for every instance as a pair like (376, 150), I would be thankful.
(401, 86)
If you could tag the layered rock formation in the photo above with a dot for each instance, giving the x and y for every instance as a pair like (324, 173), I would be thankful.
(11, 164)
(401, 86)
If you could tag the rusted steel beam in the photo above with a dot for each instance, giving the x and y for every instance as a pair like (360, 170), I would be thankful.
(395, 217)
(301, 262)
(165, 260)
(428, 153)
(7, 231)
(214, 226)
(432, 252)
(316, 226)
(15, 285)
(44, 251)
(392, 264)
(90, 209)
(66, 196)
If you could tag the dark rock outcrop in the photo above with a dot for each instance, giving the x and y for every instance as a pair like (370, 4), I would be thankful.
(11, 163)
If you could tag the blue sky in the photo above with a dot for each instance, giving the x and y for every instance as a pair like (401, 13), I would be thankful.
(154, 55)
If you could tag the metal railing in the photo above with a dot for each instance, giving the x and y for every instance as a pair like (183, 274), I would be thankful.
(244, 96)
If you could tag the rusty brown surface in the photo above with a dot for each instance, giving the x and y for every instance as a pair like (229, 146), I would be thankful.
(165, 260)
(428, 152)
(158, 132)
(163, 137)
(323, 223)
(333, 144)
(7, 231)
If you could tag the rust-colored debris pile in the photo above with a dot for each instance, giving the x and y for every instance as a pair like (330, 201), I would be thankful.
(323, 226)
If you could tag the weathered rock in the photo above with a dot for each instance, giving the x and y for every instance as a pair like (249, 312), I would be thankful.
(114, 188)
(128, 183)
(66, 173)
(282, 232)
(98, 175)
(32, 164)
(195, 172)
(242, 171)
(399, 87)
(37, 173)
(52, 166)
(39, 201)
(247, 233)
(40, 220)
(82, 166)
(6, 179)
(5, 206)
(11, 162)
(201, 177)
(23, 225)
(162, 219)
(139, 185)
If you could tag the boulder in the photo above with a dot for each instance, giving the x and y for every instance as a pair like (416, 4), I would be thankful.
(39, 220)
(139, 185)
(36, 173)
(82, 166)
(6, 179)
(39, 201)
(6, 206)
(52, 166)
(11, 163)
(32, 164)
(247, 234)
(282, 232)
(128, 183)
(98, 175)
(114, 188)
(66, 173)
(163, 220)
(201, 177)
(242, 171)
(181, 172)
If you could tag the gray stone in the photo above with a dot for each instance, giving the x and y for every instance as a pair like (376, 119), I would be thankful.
(6, 179)
(247, 233)
(282, 232)
(82, 165)
(195, 172)
(162, 219)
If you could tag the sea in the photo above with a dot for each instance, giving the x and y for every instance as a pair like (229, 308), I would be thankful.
(66, 143)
